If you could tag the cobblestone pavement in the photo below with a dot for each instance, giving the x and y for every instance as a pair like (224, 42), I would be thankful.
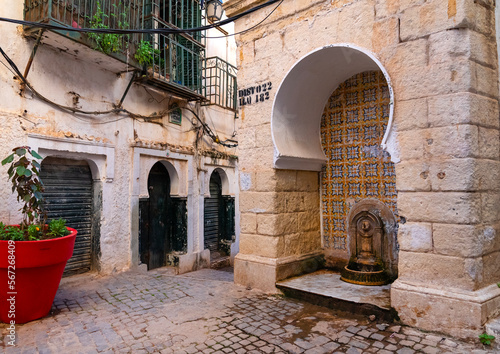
(204, 312)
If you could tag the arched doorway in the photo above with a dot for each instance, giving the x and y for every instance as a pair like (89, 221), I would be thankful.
(211, 214)
(162, 221)
(159, 243)
(219, 213)
(296, 126)
(68, 194)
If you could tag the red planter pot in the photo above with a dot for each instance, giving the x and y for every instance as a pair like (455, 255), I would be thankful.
(30, 273)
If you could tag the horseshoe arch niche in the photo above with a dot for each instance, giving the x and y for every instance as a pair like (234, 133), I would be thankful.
(301, 98)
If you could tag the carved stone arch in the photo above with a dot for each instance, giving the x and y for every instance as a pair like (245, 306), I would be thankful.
(173, 174)
(227, 180)
(301, 98)
(375, 227)
(94, 161)
(224, 181)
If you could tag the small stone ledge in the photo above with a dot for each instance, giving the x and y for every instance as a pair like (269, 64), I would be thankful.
(297, 266)
(190, 262)
(263, 272)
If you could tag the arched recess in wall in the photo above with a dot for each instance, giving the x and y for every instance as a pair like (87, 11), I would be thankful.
(174, 177)
(225, 181)
(301, 98)
(359, 177)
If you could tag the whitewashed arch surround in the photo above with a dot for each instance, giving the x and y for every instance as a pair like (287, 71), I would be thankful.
(301, 98)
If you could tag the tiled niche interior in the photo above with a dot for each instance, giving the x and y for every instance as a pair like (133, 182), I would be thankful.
(352, 127)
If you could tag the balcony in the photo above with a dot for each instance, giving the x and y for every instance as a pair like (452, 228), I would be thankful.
(170, 62)
(219, 85)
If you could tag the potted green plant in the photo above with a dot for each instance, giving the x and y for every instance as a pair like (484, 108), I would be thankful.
(33, 254)
(145, 54)
(108, 43)
(150, 58)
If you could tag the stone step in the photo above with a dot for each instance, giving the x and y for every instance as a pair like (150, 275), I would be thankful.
(220, 262)
(324, 288)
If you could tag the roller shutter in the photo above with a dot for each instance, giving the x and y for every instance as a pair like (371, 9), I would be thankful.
(68, 195)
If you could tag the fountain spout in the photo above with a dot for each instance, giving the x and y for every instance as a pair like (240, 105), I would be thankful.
(365, 265)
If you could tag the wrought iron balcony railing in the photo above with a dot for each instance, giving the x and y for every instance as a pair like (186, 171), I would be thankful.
(219, 83)
(100, 14)
(173, 62)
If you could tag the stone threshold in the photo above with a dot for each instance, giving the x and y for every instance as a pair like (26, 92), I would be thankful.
(220, 262)
(324, 288)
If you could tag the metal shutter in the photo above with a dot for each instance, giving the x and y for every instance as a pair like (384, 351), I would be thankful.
(68, 195)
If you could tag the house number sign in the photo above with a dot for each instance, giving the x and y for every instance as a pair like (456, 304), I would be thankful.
(255, 94)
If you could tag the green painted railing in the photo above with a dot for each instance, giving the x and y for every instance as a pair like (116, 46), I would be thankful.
(122, 14)
(171, 59)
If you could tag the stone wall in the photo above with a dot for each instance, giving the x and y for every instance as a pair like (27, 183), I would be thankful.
(279, 220)
(442, 60)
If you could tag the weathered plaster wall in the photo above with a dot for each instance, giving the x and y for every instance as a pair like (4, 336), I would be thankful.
(442, 60)
(220, 45)
(108, 141)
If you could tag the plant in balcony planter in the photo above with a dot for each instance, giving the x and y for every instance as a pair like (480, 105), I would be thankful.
(109, 42)
(32, 254)
(149, 57)
(145, 54)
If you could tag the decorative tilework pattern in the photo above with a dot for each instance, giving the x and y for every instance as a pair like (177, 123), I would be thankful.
(352, 127)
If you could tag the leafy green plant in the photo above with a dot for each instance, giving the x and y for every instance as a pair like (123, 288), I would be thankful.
(486, 339)
(34, 232)
(57, 228)
(11, 233)
(108, 42)
(24, 173)
(146, 54)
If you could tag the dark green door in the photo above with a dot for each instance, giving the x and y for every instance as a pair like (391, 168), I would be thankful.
(226, 224)
(212, 212)
(158, 242)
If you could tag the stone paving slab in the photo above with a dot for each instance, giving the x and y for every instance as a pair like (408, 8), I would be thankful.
(328, 283)
(204, 312)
